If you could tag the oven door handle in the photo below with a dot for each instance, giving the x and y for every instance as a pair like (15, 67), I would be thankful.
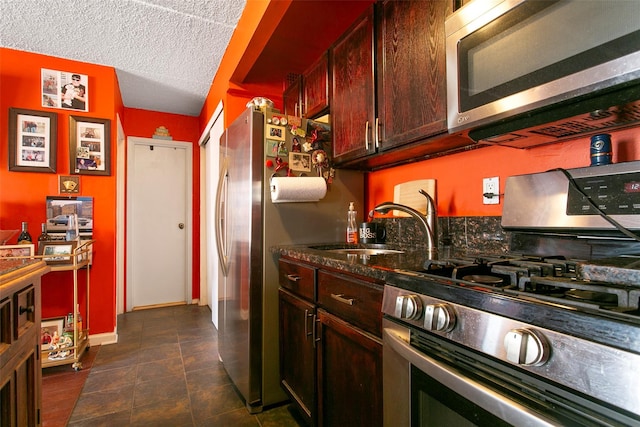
(508, 410)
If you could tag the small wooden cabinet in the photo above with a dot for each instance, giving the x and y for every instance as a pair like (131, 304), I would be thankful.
(292, 98)
(308, 95)
(20, 371)
(315, 87)
(330, 346)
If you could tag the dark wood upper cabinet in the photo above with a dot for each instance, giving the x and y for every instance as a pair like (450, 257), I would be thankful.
(389, 86)
(353, 91)
(316, 88)
(291, 98)
(411, 90)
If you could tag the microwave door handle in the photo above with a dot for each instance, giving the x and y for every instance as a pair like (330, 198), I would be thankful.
(221, 203)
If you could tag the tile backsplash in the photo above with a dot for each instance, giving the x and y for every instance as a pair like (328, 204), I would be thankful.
(456, 235)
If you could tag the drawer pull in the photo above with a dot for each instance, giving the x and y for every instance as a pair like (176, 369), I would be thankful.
(293, 277)
(342, 299)
(24, 310)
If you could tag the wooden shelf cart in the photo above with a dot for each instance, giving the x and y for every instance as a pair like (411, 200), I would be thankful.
(81, 258)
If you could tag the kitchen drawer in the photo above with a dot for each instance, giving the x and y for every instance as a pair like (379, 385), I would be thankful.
(5, 324)
(356, 301)
(298, 278)
(25, 312)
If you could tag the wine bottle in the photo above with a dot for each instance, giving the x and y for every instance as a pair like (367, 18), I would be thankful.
(24, 238)
(44, 236)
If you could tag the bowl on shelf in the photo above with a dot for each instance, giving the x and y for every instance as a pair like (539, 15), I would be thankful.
(5, 235)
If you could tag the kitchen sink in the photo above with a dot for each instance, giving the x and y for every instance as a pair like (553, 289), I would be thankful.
(365, 251)
(359, 250)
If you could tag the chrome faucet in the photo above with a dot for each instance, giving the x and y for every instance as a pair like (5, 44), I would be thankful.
(429, 221)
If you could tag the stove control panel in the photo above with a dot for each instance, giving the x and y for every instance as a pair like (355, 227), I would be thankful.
(547, 200)
(613, 194)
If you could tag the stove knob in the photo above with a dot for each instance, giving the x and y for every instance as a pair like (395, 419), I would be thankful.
(408, 307)
(439, 317)
(526, 347)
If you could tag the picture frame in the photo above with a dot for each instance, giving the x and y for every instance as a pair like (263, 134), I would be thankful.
(65, 90)
(57, 252)
(89, 146)
(33, 141)
(300, 162)
(59, 208)
(68, 184)
(276, 132)
(271, 148)
(10, 251)
(48, 328)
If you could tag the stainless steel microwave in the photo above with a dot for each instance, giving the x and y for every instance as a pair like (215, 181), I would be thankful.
(515, 64)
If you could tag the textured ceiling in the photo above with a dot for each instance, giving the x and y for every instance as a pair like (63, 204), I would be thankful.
(165, 52)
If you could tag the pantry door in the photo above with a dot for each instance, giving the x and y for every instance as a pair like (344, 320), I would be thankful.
(159, 196)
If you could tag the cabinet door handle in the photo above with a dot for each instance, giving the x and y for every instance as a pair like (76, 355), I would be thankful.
(342, 299)
(366, 135)
(24, 310)
(306, 323)
(377, 133)
(293, 277)
(316, 338)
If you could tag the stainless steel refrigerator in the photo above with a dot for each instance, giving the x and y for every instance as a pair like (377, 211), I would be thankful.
(247, 225)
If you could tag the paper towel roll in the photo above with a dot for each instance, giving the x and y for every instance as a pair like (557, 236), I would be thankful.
(297, 189)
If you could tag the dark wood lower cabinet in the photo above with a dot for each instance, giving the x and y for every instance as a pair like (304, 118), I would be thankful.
(298, 353)
(330, 345)
(20, 365)
(349, 374)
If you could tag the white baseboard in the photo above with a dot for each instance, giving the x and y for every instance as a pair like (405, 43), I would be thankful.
(103, 339)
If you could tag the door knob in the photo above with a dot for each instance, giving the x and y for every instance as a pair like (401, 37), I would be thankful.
(181, 225)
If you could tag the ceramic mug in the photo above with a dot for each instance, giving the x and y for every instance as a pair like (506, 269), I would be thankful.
(371, 232)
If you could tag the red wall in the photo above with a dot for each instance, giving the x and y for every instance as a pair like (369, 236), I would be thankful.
(22, 194)
(459, 176)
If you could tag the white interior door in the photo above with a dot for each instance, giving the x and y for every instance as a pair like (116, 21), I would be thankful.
(159, 222)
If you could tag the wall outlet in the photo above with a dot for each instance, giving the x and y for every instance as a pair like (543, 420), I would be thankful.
(491, 191)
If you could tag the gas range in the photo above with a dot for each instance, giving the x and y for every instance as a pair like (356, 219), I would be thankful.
(553, 345)
(552, 279)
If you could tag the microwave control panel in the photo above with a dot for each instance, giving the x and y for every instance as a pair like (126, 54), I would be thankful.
(613, 194)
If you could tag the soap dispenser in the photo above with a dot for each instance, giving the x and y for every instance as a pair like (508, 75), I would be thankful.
(352, 227)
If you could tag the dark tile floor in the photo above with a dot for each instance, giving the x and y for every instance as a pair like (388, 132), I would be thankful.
(164, 371)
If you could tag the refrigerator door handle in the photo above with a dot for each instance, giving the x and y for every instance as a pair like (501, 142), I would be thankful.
(220, 219)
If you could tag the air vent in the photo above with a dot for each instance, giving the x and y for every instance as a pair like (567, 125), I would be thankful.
(291, 79)
(593, 122)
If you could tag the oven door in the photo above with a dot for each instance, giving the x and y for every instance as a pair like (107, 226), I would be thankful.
(419, 390)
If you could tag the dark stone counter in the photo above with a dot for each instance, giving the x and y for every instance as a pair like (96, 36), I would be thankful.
(373, 266)
(8, 265)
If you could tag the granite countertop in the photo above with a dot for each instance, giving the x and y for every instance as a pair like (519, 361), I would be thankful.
(621, 270)
(7, 265)
(373, 266)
